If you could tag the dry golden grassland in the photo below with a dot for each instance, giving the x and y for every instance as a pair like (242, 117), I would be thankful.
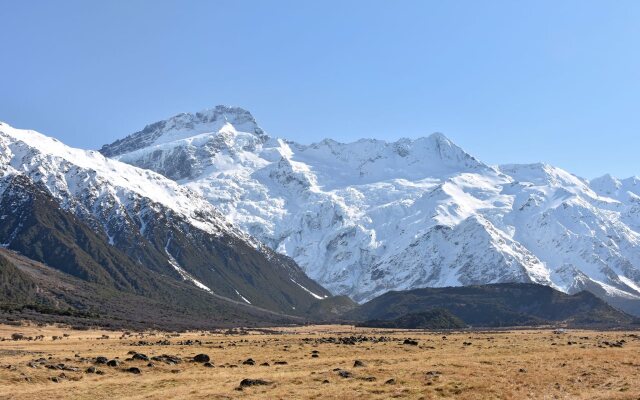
(537, 364)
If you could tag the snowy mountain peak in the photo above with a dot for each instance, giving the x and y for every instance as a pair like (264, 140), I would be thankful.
(620, 189)
(606, 184)
(184, 126)
(87, 173)
(379, 159)
(543, 174)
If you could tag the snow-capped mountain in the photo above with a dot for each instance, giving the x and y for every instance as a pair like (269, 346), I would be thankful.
(153, 223)
(367, 217)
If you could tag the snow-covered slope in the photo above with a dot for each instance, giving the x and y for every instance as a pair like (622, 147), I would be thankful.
(87, 181)
(165, 227)
(366, 217)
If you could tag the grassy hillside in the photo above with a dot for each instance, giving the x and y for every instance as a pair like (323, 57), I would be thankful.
(508, 304)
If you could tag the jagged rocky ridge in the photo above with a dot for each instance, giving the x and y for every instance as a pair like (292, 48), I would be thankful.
(130, 229)
(366, 217)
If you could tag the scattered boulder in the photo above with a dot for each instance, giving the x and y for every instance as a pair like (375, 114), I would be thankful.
(140, 356)
(345, 374)
(390, 382)
(358, 363)
(410, 342)
(101, 360)
(265, 364)
(92, 370)
(113, 363)
(168, 359)
(134, 370)
(201, 358)
(249, 361)
(208, 365)
(253, 382)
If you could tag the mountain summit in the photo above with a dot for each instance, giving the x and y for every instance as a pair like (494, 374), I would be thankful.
(185, 126)
(371, 216)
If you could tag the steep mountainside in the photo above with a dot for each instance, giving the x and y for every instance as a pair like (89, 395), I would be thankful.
(118, 226)
(31, 290)
(503, 304)
(371, 216)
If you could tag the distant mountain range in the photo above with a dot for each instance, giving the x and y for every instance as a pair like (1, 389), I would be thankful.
(205, 220)
(371, 216)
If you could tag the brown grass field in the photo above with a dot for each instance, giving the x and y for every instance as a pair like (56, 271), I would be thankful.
(518, 364)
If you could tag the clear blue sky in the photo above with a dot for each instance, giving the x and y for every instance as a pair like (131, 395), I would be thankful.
(509, 81)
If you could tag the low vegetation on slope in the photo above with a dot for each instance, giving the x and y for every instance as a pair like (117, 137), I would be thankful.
(432, 319)
(506, 304)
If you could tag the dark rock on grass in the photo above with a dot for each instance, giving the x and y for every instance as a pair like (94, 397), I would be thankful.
(345, 374)
(358, 363)
(101, 360)
(410, 342)
(324, 382)
(64, 367)
(201, 358)
(280, 363)
(314, 356)
(113, 363)
(171, 360)
(265, 364)
(253, 382)
(369, 379)
(522, 370)
(134, 370)
(140, 356)
(390, 382)
(208, 365)
(99, 372)
(151, 365)
(249, 361)
(92, 370)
